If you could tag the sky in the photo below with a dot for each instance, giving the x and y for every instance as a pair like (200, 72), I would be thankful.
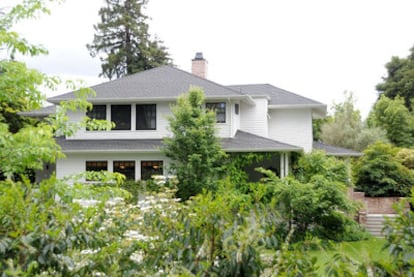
(318, 49)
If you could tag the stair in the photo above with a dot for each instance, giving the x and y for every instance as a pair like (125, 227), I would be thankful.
(375, 222)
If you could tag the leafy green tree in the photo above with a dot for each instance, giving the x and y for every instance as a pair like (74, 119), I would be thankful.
(400, 79)
(19, 86)
(196, 154)
(346, 128)
(380, 173)
(123, 38)
(395, 118)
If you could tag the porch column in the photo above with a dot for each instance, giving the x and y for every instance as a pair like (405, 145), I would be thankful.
(284, 164)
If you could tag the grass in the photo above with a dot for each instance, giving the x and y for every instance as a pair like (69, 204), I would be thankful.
(361, 251)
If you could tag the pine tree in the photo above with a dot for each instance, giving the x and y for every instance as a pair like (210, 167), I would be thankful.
(123, 39)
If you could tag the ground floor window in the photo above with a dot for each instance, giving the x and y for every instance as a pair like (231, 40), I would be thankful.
(125, 167)
(149, 168)
(96, 165)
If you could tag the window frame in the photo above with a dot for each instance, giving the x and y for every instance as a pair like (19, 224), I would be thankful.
(96, 113)
(121, 126)
(151, 163)
(98, 169)
(146, 108)
(129, 169)
(218, 109)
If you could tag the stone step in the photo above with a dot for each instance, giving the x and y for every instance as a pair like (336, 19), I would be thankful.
(375, 223)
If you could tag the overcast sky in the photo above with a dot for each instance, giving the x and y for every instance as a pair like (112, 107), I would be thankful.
(317, 48)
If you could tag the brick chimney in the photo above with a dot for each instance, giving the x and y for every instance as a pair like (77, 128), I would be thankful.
(199, 66)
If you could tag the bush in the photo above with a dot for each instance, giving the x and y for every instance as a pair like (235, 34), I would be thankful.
(379, 173)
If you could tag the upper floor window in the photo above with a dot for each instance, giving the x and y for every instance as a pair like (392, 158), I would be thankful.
(220, 109)
(96, 112)
(146, 116)
(121, 116)
(236, 108)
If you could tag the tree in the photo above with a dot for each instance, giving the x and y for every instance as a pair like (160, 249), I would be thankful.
(346, 128)
(380, 173)
(197, 157)
(400, 79)
(19, 85)
(123, 38)
(395, 118)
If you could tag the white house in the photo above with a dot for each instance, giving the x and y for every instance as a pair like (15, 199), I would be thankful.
(250, 118)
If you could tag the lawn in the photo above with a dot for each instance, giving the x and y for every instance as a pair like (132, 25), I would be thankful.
(361, 251)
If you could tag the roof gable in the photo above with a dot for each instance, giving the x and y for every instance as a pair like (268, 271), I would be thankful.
(163, 83)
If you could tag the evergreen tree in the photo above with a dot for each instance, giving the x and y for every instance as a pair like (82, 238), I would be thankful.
(123, 39)
(197, 157)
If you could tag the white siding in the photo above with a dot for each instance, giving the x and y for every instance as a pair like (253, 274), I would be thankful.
(253, 119)
(292, 126)
(76, 163)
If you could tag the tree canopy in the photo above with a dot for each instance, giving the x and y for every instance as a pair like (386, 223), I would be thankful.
(400, 79)
(346, 128)
(395, 118)
(123, 39)
(197, 157)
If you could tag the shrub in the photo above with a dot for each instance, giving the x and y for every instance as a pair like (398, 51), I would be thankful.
(379, 173)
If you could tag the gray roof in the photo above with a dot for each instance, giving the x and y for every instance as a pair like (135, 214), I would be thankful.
(279, 97)
(244, 141)
(163, 83)
(42, 112)
(335, 150)
(241, 142)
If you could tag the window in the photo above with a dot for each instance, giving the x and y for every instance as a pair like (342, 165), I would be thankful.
(236, 108)
(146, 116)
(125, 167)
(220, 109)
(149, 168)
(121, 116)
(96, 165)
(97, 112)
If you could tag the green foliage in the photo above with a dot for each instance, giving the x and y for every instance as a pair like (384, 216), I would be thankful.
(123, 38)
(379, 173)
(406, 156)
(400, 240)
(394, 117)
(318, 163)
(399, 81)
(197, 157)
(346, 128)
(236, 164)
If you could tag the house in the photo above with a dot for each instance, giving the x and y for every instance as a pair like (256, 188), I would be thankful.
(250, 118)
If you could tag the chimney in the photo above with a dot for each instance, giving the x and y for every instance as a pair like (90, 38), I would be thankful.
(199, 66)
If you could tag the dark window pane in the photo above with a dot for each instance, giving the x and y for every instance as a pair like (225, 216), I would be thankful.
(125, 167)
(150, 168)
(146, 117)
(96, 165)
(97, 112)
(220, 109)
(121, 116)
(236, 108)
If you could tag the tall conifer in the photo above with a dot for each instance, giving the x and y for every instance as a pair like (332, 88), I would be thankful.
(122, 40)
